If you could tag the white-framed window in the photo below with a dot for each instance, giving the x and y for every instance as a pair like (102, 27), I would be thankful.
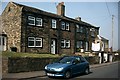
(86, 46)
(63, 25)
(62, 43)
(77, 28)
(3, 40)
(87, 31)
(93, 34)
(79, 44)
(31, 42)
(34, 42)
(92, 30)
(54, 23)
(65, 43)
(38, 42)
(81, 29)
(38, 21)
(31, 20)
(67, 26)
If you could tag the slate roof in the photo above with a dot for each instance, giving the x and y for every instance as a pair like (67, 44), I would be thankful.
(38, 11)
(102, 38)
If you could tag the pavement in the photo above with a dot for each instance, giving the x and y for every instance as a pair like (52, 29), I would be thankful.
(27, 75)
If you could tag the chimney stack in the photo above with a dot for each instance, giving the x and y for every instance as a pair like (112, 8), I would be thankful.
(61, 9)
(78, 18)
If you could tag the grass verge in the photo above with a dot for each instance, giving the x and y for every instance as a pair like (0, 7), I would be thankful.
(33, 55)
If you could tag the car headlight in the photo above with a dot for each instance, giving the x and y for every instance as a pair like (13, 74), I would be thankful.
(58, 69)
(45, 67)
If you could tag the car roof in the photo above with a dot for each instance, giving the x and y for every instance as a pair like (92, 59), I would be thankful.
(72, 56)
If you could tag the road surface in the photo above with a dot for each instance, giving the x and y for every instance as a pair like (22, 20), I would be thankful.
(106, 72)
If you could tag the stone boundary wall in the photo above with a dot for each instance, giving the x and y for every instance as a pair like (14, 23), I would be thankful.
(116, 58)
(16, 65)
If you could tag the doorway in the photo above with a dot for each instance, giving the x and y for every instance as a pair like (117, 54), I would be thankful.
(53, 46)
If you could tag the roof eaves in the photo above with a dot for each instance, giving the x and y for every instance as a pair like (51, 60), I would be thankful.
(35, 10)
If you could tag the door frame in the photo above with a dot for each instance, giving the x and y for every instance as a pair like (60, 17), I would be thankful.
(3, 42)
(53, 39)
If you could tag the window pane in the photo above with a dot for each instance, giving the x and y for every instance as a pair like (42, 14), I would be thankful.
(63, 43)
(53, 23)
(3, 41)
(81, 29)
(67, 26)
(92, 34)
(67, 43)
(81, 44)
(63, 25)
(31, 39)
(38, 21)
(77, 28)
(31, 42)
(31, 20)
(38, 42)
(78, 44)
(38, 39)
(86, 46)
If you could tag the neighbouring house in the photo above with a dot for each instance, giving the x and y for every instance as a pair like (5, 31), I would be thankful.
(100, 44)
(32, 30)
(101, 47)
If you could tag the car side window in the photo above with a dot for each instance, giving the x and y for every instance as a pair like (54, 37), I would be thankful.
(76, 60)
(82, 59)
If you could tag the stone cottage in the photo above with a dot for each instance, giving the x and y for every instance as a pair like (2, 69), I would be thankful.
(32, 30)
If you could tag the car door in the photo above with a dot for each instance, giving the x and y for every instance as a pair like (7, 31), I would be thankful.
(83, 64)
(79, 65)
(76, 66)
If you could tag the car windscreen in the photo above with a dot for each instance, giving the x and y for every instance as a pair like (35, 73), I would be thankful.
(66, 60)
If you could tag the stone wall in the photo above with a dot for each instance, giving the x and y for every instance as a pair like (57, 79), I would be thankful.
(4, 66)
(116, 58)
(11, 25)
(15, 25)
(15, 65)
(68, 35)
(47, 33)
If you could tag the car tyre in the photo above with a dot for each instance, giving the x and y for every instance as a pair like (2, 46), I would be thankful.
(87, 71)
(67, 74)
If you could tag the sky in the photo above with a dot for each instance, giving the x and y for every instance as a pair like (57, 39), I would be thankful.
(98, 14)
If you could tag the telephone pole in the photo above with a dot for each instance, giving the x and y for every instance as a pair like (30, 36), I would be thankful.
(112, 31)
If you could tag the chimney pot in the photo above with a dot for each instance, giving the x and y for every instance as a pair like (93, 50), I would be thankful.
(78, 18)
(62, 3)
(61, 9)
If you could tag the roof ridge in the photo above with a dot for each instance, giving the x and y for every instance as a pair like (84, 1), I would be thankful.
(58, 16)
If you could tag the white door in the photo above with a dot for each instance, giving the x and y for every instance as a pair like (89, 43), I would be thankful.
(2, 43)
(53, 46)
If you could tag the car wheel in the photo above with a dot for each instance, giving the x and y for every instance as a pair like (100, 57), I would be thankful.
(67, 74)
(87, 71)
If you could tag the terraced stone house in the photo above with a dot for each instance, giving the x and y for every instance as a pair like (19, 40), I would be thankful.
(28, 29)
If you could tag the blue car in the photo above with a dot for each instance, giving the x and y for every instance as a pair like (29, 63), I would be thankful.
(67, 67)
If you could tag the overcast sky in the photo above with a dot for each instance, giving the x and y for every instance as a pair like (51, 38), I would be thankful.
(95, 13)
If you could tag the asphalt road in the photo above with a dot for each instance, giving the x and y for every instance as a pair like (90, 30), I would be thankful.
(106, 72)
(109, 71)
